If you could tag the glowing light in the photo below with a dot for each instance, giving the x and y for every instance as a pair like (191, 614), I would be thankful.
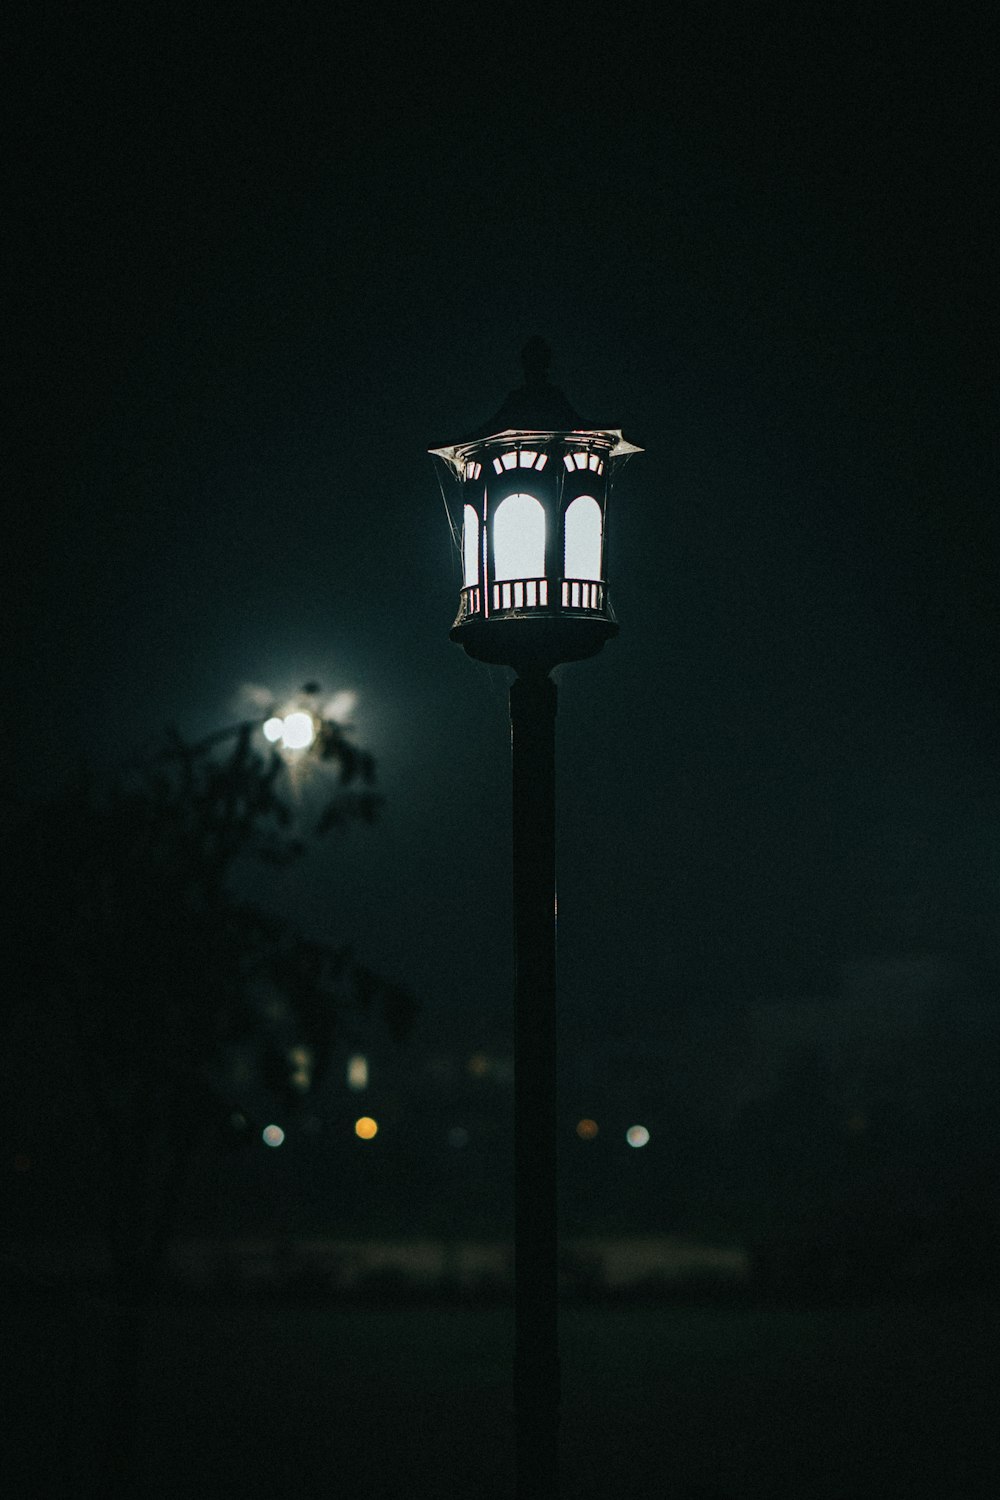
(301, 1074)
(519, 538)
(357, 1072)
(470, 547)
(586, 1129)
(272, 730)
(272, 1135)
(637, 1135)
(479, 1065)
(366, 1129)
(583, 539)
(458, 1137)
(341, 705)
(299, 731)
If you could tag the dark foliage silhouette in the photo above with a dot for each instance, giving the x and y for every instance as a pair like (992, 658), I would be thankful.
(136, 967)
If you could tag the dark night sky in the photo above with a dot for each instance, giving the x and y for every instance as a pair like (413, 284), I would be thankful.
(259, 268)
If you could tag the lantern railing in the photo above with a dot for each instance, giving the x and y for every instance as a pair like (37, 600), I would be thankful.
(470, 603)
(517, 595)
(583, 594)
(520, 593)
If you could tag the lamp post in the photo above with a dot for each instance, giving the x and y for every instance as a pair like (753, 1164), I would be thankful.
(534, 486)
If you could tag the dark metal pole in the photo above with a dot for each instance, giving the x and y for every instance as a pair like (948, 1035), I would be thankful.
(536, 1344)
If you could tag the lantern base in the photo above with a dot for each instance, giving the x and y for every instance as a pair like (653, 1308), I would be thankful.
(533, 643)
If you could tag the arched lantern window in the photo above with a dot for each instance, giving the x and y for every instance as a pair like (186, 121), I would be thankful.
(519, 538)
(470, 548)
(584, 527)
(534, 587)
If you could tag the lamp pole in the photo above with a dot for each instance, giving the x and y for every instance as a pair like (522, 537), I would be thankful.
(536, 1340)
(533, 485)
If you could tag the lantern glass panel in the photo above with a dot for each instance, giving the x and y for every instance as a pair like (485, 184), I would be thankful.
(583, 539)
(519, 538)
(470, 547)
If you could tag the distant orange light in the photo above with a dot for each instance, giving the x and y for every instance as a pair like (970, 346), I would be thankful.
(586, 1129)
(366, 1129)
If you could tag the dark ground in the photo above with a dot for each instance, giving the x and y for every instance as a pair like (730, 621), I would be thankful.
(259, 1403)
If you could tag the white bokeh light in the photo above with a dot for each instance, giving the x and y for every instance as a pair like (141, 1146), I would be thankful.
(637, 1135)
(298, 731)
(273, 729)
(272, 1135)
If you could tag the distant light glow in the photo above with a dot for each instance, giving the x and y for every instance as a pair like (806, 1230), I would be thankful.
(366, 1129)
(272, 730)
(298, 731)
(586, 1129)
(479, 1065)
(341, 705)
(637, 1135)
(300, 1076)
(272, 1135)
(458, 1136)
(357, 1072)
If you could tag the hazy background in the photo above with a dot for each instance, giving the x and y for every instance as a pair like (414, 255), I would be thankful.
(259, 265)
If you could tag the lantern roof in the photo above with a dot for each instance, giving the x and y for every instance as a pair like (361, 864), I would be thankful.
(534, 409)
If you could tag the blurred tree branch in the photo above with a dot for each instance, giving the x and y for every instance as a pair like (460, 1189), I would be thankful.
(131, 952)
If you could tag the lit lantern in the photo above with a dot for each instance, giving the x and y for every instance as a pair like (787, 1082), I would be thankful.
(534, 486)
